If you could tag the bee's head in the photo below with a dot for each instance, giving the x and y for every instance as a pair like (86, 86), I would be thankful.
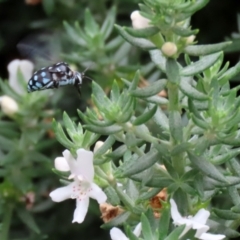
(78, 78)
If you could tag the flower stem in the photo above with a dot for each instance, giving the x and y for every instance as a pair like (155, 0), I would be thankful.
(178, 161)
(6, 222)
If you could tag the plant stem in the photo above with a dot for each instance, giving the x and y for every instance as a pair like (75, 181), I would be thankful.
(7, 216)
(178, 161)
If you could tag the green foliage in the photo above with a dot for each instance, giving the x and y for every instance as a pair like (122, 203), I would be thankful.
(178, 132)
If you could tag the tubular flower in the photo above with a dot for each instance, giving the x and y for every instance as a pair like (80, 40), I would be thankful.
(26, 67)
(198, 223)
(8, 105)
(138, 21)
(82, 188)
(117, 234)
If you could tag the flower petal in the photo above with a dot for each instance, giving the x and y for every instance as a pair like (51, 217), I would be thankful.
(61, 164)
(81, 210)
(176, 216)
(70, 160)
(209, 236)
(117, 234)
(61, 194)
(97, 193)
(85, 164)
(137, 230)
(201, 216)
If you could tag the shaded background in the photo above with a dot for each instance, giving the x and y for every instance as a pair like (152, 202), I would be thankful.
(19, 19)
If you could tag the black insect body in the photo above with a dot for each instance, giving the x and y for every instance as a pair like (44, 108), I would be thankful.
(54, 76)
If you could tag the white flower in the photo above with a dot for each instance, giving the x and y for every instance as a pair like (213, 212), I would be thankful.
(169, 49)
(190, 39)
(138, 21)
(26, 67)
(117, 234)
(83, 187)
(198, 223)
(9, 105)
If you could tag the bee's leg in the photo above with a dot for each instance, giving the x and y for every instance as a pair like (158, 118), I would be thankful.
(78, 89)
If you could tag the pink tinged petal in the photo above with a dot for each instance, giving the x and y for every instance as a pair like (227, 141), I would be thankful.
(61, 194)
(97, 193)
(81, 210)
(70, 160)
(201, 216)
(117, 234)
(137, 230)
(85, 164)
(61, 164)
(209, 236)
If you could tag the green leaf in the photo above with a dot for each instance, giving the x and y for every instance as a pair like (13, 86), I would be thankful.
(143, 32)
(138, 42)
(108, 23)
(151, 90)
(176, 127)
(28, 219)
(146, 116)
(115, 92)
(226, 214)
(209, 169)
(164, 223)
(99, 94)
(225, 157)
(191, 92)
(144, 162)
(103, 130)
(184, 32)
(201, 50)
(158, 58)
(119, 220)
(229, 74)
(105, 147)
(91, 27)
(172, 70)
(195, 6)
(149, 194)
(180, 148)
(112, 196)
(200, 122)
(199, 66)
(146, 228)
(175, 234)
(126, 200)
(135, 81)
(74, 35)
(60, 135)
(119, 152)
(132, 190)
(161, 119)
(157, 100)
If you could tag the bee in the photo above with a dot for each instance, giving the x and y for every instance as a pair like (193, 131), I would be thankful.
(54, 76)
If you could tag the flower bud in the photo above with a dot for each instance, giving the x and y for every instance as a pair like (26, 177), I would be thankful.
(138, 21)
(26, 67)
(61, 164)
(190, 39)
(97, 145)
(169, 49)
(8, 105)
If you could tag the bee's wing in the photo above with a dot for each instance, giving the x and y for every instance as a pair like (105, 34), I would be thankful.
(42, 49)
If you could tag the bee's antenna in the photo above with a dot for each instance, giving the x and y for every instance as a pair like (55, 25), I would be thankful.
(83, 73)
